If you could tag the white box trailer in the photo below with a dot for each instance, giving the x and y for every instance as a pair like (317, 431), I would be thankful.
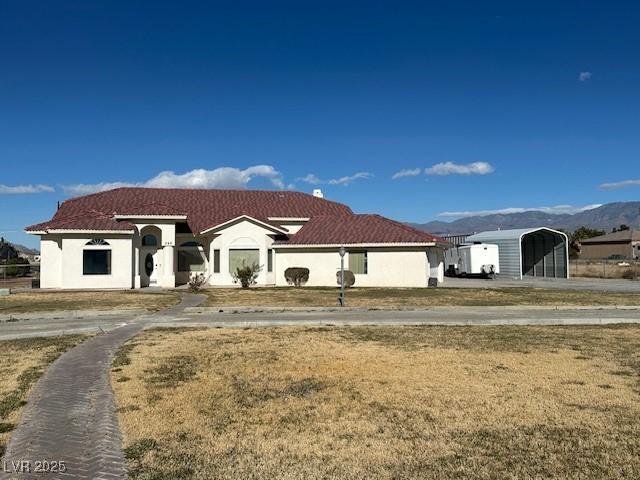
(478, 259)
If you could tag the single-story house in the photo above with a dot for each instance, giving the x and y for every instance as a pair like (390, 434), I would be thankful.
(624, 243)
(138, 237)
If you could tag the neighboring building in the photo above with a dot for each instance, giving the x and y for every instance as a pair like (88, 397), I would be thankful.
(534, 252)
(625, 243)
(136, 237)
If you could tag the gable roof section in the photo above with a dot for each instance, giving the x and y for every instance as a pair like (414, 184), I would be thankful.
(357, 230)
(622, 236)
(204, 208)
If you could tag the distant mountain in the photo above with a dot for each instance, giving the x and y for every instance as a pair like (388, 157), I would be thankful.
(605, 218)
(25, 250)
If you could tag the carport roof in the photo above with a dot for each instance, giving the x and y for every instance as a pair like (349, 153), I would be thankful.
(514, 234)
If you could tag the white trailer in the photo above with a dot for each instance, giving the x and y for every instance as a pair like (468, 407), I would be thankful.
(479, 259)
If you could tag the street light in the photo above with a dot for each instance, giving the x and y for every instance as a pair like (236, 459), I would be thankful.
(342, 251)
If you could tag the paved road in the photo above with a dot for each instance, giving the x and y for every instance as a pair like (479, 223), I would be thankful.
(434, 316)
(592, 284)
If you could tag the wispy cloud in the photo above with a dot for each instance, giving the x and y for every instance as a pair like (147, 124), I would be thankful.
(618, 185)
(554, 210)
(407, 172)
(584, 76)
(223, 177)
(24, 189)
(344, 181)
(450, 168)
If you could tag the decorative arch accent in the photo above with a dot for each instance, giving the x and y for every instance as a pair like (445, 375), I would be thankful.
(98, 242)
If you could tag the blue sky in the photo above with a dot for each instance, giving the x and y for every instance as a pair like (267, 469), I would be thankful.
(484, 105)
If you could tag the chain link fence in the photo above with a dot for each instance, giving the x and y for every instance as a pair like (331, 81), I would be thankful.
(605, 268)
(20, 276)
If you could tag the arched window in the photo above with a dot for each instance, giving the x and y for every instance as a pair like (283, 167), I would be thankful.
(191, 244)
(98, 242)
(149, 241)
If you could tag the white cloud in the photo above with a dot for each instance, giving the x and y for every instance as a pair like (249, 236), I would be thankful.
(407, 172)
(344, 181)
(350, 178)
(24, 189)
(450, 168)
(223, 177)
(621, 184)
(311, 179)
(555, 210)
(584, 76)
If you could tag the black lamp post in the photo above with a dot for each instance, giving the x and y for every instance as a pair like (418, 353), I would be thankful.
(342, 251)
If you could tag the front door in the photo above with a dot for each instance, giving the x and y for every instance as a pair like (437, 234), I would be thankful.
(151, 266)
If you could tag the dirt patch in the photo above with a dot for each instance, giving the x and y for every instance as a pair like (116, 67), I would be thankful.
(26, 302)
(384, 402)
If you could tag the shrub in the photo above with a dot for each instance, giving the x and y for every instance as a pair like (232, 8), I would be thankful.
(197, 282)
(296, 276)
(247, 275)
(629, 274)
(349, 278)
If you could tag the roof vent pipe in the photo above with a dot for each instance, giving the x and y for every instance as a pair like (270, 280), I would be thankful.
(318, 193)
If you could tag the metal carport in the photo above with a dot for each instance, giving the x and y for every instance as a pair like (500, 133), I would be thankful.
(534, 252)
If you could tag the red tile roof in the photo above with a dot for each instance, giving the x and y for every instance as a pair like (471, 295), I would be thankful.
(204, 208)
(87, 221)
(357, 229)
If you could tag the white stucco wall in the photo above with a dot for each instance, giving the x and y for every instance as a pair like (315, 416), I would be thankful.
(387, 267)
(63, 267)
(50, 261)
(241, 235)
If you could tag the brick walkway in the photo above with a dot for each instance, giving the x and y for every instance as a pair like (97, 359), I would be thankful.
(71, 415)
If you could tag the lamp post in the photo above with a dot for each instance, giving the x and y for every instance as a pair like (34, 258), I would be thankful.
(342, 251)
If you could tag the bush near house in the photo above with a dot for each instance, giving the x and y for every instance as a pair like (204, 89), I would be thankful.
(247, 275)
(349, 278)
(197, 282)
(296, 276)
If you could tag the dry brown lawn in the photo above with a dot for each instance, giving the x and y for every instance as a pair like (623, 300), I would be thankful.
(25, 302)
(382, 403)
(411, 297)
(22, 362)
(604, 269)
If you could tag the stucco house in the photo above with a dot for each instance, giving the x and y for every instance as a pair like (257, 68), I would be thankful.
(138, 237)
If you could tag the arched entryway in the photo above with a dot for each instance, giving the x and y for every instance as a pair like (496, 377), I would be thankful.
(150, 256)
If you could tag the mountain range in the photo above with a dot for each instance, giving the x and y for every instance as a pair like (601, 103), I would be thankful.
(605, 217)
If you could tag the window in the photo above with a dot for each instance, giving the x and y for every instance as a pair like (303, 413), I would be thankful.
(358, 262)
(216, 261)
(269, 260)
(96, 262)
(149, 241)
(242, 258)
(191, 260)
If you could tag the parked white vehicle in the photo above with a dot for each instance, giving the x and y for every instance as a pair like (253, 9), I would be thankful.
(480, 259)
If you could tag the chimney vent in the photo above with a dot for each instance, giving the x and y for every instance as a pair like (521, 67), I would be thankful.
(318, 193)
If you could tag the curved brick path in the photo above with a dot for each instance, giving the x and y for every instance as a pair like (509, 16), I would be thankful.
(71, 412)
